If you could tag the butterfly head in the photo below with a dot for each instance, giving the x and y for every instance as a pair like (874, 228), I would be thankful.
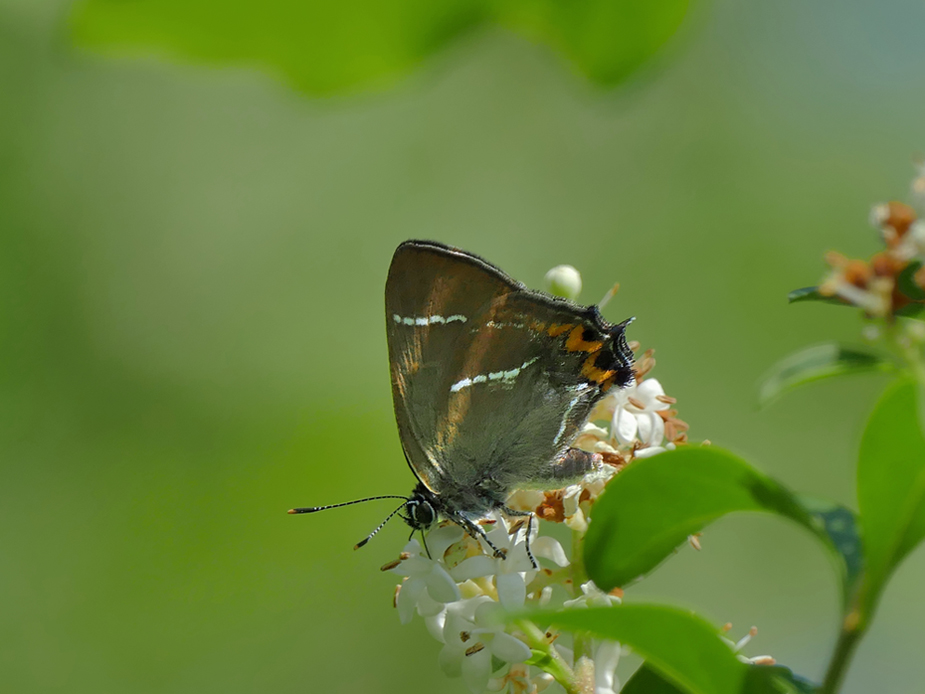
(421, 508)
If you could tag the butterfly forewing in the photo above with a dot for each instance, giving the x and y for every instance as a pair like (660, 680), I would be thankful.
(432, 298)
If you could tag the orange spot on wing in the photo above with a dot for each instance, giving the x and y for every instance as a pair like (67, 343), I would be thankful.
(576, 342)
(594, 374)
(557, 329)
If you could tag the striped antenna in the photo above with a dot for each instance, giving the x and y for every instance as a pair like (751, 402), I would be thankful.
(313, 509)
(387, 519)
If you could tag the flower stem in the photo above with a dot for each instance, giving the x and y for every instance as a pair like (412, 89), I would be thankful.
(551, 662)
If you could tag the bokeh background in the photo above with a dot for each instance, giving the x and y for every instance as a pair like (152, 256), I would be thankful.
(192, 262)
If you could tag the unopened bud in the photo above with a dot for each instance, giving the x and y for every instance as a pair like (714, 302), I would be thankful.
(564, 281)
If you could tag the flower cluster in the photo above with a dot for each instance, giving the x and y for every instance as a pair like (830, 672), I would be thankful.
(634, 422)
(892, 281)
(459, 590)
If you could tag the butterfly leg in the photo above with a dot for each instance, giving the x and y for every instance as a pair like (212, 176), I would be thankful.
(476, 531)
(529, 515)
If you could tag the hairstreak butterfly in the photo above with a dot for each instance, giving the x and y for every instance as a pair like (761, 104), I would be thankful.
(491, 383)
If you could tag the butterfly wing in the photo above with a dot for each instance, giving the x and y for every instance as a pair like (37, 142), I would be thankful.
(432, 298)
(556, 361)
(490, 402)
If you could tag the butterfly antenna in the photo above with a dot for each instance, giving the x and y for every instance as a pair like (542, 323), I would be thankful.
(611, 293)
(313, 509)
(381, 525)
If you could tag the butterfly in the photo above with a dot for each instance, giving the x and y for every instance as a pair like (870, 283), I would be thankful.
(491, 383)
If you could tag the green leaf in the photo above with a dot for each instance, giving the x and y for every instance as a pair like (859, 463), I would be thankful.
(905, 282)
(325, 47)
(812, 294)
(607, 39)
(321, 47)
(910, 310)
(760, 679)
(684, 649)
(647, 681)
(816, 363)
(652, 506)
(891, 481)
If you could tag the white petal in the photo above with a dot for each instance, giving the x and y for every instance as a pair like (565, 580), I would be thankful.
(435, 624)
(570, 499)
(651, 428)
(509, 649)
(606, 660)
(454, 625)
(577, 521)
(512, 591)
(450, 660)
(595, 432)
(525, 499)
(440, 538)
(549, 548)
(489, 617)
(413, 547)
(474, 567)
(647, 393)
(408, 598)
(476, 669)
(604, 409)
(649, 452)
(427, 606)
(499, 535)
(624, 426)
(441, 587)
(465, 609)
(414, 567)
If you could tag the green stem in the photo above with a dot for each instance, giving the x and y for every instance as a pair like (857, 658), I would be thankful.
(906, 349)
(582, 641)
(848, 640)
(551, 661)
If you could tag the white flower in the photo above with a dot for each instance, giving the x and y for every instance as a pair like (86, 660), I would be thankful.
(473, 633)
(594, 483)
(428, 581)
(512, 573)
(636, 414)
(606, 659)
(592, 596)
(595, 439)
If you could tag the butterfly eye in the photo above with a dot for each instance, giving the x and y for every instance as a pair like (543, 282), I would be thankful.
(423, 514)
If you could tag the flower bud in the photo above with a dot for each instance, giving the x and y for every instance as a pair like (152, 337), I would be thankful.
(564, 281)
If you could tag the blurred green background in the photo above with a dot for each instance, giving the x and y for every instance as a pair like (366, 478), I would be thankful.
(192, 261)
